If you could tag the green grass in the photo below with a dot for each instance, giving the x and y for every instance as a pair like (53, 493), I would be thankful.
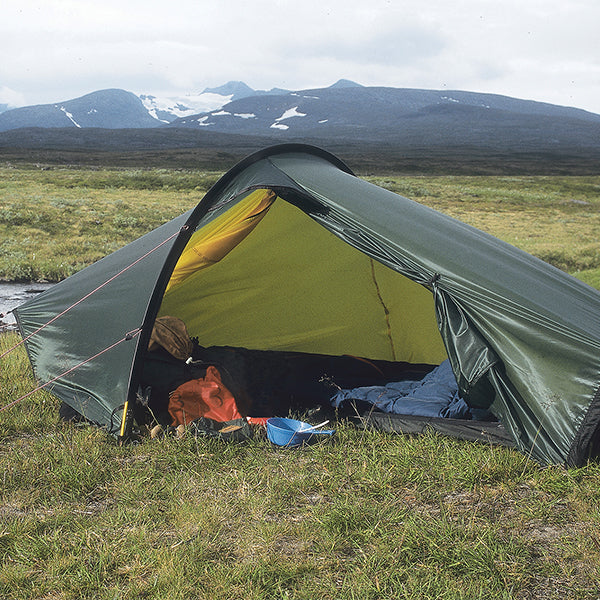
(556, 219)
(366, 515)
(55, 221)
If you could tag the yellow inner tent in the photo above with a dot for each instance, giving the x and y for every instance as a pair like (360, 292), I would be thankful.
(264, 275)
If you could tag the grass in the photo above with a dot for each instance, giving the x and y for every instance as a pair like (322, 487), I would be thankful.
(556, 219)
(55, 221)
(366, 515)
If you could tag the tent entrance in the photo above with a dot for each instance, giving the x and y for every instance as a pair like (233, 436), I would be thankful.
(288, 284)
(290, 314)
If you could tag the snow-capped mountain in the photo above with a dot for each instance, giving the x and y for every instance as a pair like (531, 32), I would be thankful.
(115, 109)
(371, 110)
(108, 109)
(167, 108)
(397, 115)
(345, 111)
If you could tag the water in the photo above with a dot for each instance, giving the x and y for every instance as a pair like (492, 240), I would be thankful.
(13, 295)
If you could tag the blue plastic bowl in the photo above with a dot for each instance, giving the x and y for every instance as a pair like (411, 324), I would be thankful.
(289, 432)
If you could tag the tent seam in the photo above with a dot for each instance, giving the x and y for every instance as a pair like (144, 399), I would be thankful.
(385, 309)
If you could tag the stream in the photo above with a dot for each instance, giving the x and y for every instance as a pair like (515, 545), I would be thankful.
(15, 294)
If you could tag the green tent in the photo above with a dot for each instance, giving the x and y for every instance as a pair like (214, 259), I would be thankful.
(290, 252)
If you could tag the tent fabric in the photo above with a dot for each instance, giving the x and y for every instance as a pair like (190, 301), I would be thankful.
(215, 241)
(103, 303)
(523, 338)
(322, 310)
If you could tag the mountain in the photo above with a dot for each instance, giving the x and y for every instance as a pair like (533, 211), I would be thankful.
(345, 117)
(234, 89)
(109, 109)
(170, 108)
(345, 83)
(395, 115)
(116, 109)
(238, 90)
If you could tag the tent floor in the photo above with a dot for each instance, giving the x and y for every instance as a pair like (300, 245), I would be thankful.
(489, 432)
(270, 383)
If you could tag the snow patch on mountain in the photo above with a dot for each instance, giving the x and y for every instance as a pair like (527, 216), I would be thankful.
(70, 116)
(169, 108)
(291, 112)
(203, 121)
(451, 99)
(305, 96)
(288, 114)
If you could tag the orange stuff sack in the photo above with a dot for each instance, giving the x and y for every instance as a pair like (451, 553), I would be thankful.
(204, 397)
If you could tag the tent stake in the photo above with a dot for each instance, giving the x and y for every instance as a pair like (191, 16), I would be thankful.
(124, 422)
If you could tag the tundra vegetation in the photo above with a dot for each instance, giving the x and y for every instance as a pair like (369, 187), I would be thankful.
(54, 221)
(363, 515)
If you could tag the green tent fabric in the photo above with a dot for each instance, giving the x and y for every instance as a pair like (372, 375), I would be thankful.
(310, 258)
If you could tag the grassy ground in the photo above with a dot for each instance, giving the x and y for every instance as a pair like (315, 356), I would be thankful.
(55, 221)
(554, 218)
(366, 515)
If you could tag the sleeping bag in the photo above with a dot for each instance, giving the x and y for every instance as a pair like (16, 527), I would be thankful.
(436, 395)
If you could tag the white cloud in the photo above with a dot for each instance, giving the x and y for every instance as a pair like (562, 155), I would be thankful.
(541, 49)
(10, 97)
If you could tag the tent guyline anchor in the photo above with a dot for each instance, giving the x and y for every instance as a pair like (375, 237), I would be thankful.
(64, 312)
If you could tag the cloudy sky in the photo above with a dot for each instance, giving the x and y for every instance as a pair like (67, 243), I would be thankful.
(547, 50)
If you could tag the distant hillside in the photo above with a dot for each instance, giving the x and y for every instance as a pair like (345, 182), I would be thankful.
(116, 109)
(421, 130)
(200, 149)
(108, 109)
(401, 116)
